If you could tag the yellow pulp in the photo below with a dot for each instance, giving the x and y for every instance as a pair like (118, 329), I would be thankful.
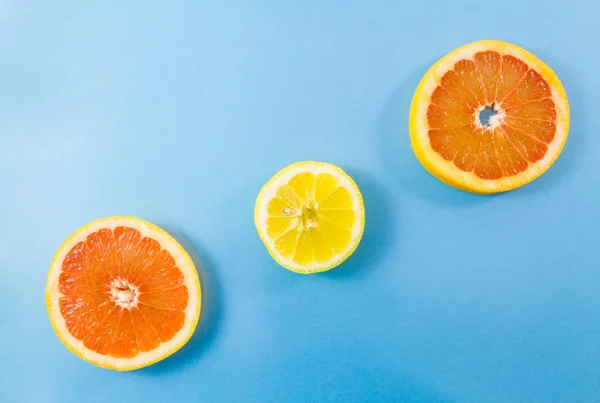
(311, 219)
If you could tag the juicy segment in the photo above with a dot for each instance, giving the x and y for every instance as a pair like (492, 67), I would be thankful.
(311, 219)
(101, 265)
(517, 136)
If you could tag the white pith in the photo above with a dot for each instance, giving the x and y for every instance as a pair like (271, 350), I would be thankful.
(282, 178)
(182, 261)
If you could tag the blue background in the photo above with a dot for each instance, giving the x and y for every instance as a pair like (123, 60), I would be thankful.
(178, 112)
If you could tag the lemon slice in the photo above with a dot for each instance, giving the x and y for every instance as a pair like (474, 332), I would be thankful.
(310, 216)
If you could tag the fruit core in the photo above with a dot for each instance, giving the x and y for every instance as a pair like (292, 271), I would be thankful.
(124, 294)
(489, 116)
(308, 215)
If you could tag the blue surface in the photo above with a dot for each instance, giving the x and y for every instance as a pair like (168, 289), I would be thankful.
(179, 113)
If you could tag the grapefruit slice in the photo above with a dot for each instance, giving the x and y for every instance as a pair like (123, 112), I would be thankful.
(525, 129)
(122, 293)
(310, 216)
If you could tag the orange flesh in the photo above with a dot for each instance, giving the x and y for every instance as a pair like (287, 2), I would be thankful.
(121, 259)
(523, 129)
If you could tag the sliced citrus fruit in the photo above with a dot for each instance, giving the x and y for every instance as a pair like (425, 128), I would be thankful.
(122, 293)
(310, 216)
(525, 129)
